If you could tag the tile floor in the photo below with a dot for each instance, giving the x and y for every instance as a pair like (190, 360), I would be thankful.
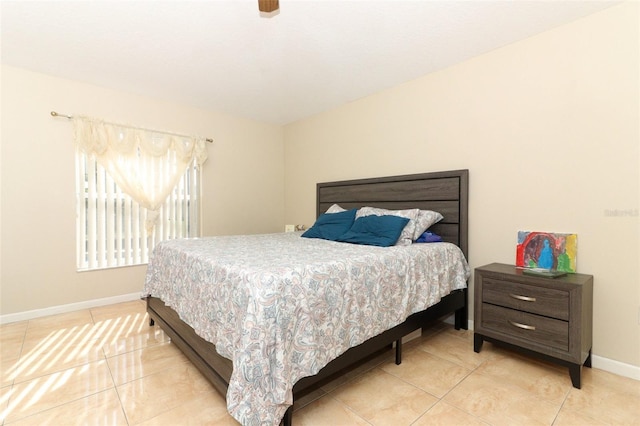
(106, 366)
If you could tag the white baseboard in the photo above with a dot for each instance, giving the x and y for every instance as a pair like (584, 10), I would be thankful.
(37, 313)
(615, 367)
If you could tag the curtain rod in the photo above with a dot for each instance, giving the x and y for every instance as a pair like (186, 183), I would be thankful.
(55, 114)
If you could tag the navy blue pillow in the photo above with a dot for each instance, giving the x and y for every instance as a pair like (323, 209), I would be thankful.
(329, 226)
(382, 231)
(428, 237)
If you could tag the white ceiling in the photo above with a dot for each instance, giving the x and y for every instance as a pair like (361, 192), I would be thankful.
(224, 56)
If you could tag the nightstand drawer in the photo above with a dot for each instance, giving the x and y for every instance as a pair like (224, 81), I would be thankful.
(533, 328)
(537, 300)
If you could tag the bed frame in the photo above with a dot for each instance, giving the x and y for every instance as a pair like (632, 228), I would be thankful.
(446, 192)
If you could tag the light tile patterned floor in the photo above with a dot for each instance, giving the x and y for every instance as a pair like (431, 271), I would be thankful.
(106, 366)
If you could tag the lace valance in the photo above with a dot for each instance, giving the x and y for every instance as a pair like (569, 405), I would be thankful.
(145, 164)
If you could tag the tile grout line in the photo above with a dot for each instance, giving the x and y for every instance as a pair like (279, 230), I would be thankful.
(124, 413)
(470, 372)
(79, 365)
(377, 366)
(458, 384)
(104, 354)
(13, 379)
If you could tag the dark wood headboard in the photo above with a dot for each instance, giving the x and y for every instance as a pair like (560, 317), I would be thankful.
(446, 192)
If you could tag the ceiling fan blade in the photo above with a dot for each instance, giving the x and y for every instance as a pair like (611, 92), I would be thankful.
(268, 6)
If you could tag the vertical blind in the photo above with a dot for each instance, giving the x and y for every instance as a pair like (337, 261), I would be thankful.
(111, 225)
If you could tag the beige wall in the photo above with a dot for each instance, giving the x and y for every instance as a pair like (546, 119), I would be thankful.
(243, 189)
(549, 130)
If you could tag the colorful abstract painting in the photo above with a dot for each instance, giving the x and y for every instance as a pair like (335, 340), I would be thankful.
(547, 250)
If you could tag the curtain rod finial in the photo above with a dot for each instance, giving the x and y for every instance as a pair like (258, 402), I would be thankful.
(55, 114)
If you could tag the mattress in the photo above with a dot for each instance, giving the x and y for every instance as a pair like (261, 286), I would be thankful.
(281, 307)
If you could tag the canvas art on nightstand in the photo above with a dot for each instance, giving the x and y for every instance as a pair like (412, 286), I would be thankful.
(547, 250)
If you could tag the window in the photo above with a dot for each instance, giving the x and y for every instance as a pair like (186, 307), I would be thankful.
(111, 229)
(135, 187)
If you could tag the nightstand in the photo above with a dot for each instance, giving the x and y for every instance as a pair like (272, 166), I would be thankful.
(550, 318)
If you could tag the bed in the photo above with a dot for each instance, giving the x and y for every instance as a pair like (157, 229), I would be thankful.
(445, 192)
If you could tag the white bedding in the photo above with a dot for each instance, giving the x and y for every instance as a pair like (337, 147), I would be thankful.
(281, 306)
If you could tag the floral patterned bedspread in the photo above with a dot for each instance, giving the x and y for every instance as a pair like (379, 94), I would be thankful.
(281, 306)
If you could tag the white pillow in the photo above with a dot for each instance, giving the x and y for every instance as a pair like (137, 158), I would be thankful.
(335, 209)
(406, 237)
(426, 218)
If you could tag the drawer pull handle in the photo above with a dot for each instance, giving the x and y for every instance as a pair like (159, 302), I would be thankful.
(522, 326)
(523, 298)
